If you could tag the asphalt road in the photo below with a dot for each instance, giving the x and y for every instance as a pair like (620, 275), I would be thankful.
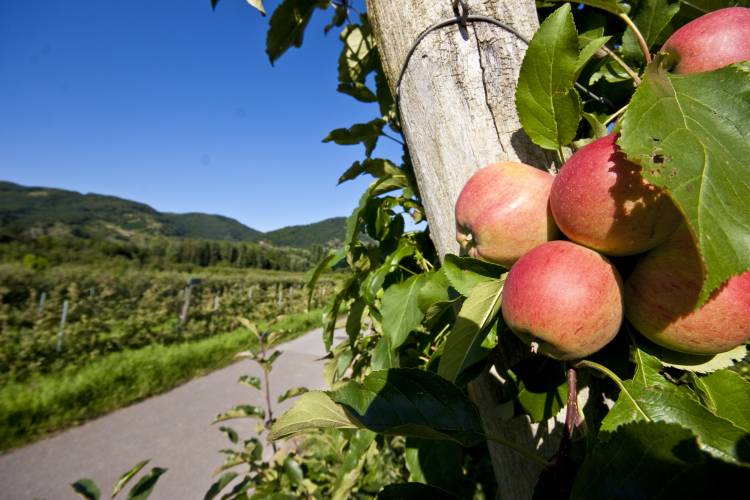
(172, 429)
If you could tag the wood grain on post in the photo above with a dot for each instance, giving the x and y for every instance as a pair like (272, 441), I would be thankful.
(458, 114)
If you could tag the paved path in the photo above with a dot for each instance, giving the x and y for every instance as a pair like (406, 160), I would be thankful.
(173, 429)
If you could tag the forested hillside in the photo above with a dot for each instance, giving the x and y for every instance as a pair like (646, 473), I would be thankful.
(31, 212)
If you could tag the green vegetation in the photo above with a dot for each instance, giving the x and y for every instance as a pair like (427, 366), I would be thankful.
(31, 212)
(45, 403)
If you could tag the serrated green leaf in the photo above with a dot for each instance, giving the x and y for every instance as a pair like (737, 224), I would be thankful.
(219, 485)
(414, 491)
(598, 128)
(258, 4)
(143, 488)
(400, 310)
(693, 362)
(410, 402)
(87, 489)
(464, 273)
(312, 411)
(384, 356)
(366, 134)
(127, 476)
(650, 397)
(374, 281)
(691, 133)
(241, 411)
(326, 264)
(292, 393)
(652, 17)
(250, 381)
(472, 324)
(656, 461)
(287, 26)
(727, 395)
(548, 105)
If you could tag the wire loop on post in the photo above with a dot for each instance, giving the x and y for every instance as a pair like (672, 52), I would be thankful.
(462, 13)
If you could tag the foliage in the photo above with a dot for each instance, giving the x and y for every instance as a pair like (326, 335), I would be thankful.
(420, 331)
(110, 312)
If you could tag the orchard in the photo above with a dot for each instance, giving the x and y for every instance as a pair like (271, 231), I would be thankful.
(572, 319)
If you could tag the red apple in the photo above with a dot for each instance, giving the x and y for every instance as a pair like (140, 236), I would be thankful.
(600, 200)
(662, 293)
(563, 299)
(502, 212)
(712, 41)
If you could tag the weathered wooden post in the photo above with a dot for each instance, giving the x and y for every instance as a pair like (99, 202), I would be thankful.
(457, 109)
(42, 300)
(61, 332)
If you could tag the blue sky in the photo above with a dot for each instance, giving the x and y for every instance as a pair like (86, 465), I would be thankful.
(171, 104)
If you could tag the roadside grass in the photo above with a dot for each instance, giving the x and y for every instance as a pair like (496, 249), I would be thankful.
(51, 402)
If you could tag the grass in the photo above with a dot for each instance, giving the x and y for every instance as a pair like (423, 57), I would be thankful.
(51, 402)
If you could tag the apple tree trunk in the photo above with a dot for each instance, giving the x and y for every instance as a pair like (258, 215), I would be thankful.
(458, 114)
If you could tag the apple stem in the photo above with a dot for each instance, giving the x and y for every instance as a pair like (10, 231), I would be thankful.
(631, 73)
(615, 115)
(638, 36)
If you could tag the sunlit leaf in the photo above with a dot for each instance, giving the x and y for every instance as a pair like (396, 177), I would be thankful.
(691, 133)
(127, 476)
(312, 411)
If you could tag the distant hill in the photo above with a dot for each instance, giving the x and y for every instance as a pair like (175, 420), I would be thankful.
(326, 233)
(33, 211)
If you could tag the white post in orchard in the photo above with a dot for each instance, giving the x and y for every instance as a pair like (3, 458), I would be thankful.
(457, 108)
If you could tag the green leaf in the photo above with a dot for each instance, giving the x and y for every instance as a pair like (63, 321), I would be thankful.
(377, 167)
(364, 133)
(339, 17)
(293, 471)
(650, 397)
(87, 489)
(312, 411)
(127, 476)
(434, 289)
(437, 463)
(287, 26)
(241, 411)
(410, 402)
(258, 4)
(351, 464)
(231, 434)
(693, 362)
(691, 133)
(727, 395)
(374, 282)
(250, 381)
(542, 388)
(400, 310)
(219, 485)
(311, 278)
(292, 393)
(692, 9)
(464, 273)
(414, 491)
(384, 356)
(358, 55)
(587, 52)
(598, 128)
(652, 17)
(472, 324)
(548, 105)
(656, 461)
(145, 485)
(354, 319)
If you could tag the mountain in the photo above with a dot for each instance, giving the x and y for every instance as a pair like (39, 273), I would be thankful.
(34, 211)
(324, 233)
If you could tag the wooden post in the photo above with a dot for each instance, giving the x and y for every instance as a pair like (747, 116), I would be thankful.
(279, 297)
(42, 300)
(216, 302)
(458, 115)
(185, 306)
(250, 294)
(61, 332)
